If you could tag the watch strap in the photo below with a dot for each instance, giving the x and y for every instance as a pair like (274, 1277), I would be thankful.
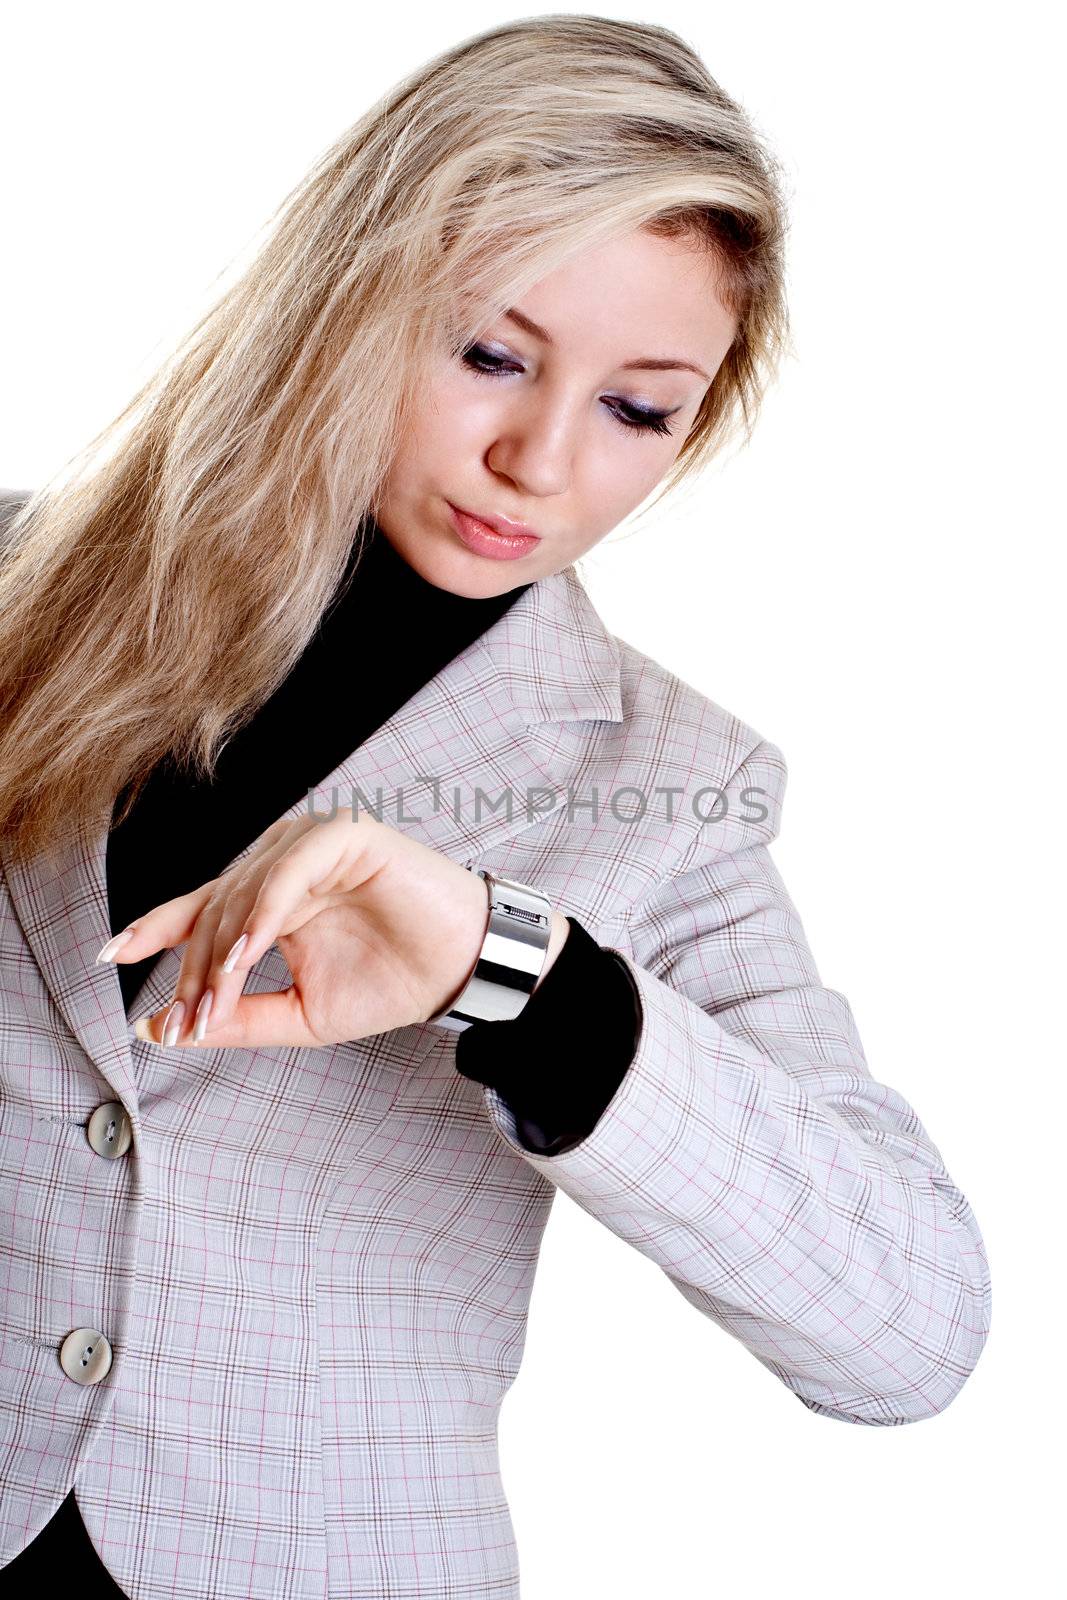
(511, 959)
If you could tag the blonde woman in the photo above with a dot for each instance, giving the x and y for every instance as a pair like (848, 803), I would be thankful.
(417, 894)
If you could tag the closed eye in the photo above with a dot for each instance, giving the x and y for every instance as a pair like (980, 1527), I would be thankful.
(635, 418)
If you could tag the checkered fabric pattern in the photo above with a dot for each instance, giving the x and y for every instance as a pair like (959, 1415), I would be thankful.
(314, 1266)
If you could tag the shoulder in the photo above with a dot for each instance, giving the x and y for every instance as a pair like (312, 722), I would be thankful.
(727, 778)
(706, 735)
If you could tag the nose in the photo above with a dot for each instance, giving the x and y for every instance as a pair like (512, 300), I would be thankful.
(535, 448)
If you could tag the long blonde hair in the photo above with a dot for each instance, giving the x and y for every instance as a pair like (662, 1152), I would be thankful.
(153, 600)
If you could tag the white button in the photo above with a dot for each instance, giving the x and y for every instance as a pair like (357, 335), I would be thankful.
(85, 1355)
(109, 1130)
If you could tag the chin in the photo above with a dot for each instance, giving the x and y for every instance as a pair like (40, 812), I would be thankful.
(444, 570)
(440, 559)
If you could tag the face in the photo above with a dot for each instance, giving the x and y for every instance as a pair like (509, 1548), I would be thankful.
(560, 420)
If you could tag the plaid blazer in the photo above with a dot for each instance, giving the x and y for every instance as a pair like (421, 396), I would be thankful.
(313, 1267)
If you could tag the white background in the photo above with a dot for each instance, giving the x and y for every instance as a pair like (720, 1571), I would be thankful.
(890, 530)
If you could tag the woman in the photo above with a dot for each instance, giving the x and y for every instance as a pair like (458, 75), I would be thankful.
(269, 1255)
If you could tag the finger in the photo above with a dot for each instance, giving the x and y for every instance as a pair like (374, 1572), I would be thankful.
(191, 1001)
(197, 996)
(215, 989)
(258, 1020)
(298, 884)
(167, 924)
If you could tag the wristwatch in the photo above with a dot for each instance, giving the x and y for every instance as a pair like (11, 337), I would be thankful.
(510, 961)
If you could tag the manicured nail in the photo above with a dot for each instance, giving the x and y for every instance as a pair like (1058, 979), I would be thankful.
(113, 946)
(173, 1023)
(235, 950)
(140, 1029)
(203, 1011)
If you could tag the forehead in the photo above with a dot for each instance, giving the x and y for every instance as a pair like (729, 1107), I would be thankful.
(636, 295)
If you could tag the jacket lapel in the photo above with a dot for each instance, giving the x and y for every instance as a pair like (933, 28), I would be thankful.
(460, 767)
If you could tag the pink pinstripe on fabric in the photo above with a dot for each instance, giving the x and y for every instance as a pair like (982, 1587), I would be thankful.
(314, 1267)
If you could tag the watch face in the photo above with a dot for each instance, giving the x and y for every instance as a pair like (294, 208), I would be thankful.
(500, 985)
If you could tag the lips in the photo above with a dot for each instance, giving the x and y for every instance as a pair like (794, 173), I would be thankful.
(488, 542)
(502, 525)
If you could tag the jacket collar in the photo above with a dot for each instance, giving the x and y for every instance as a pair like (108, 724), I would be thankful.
(473, 728)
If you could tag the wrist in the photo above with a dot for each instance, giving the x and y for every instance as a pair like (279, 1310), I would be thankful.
(473, 906)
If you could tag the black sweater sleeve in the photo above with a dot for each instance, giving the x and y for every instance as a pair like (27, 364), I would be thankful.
(561, 1060)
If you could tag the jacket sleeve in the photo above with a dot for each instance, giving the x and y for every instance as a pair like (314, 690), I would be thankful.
(788, 1195)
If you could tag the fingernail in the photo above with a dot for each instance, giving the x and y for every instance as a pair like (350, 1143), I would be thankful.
(140, 1029)
(203, 1011)
(173, 1024)
(235, 950)
(113, 946)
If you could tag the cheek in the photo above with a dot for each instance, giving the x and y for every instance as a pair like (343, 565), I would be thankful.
(462, 413)
(441, 429)
(620, 472)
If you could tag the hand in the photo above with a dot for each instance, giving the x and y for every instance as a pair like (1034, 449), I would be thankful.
(378, 931)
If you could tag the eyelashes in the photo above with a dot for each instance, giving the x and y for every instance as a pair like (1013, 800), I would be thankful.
(637, 420)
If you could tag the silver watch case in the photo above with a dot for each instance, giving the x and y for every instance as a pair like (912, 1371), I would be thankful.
(511, 959)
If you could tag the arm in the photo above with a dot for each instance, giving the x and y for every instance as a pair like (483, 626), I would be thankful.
(788, 1195)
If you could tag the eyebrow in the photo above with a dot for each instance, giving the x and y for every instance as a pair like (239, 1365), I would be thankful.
(641, 364)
